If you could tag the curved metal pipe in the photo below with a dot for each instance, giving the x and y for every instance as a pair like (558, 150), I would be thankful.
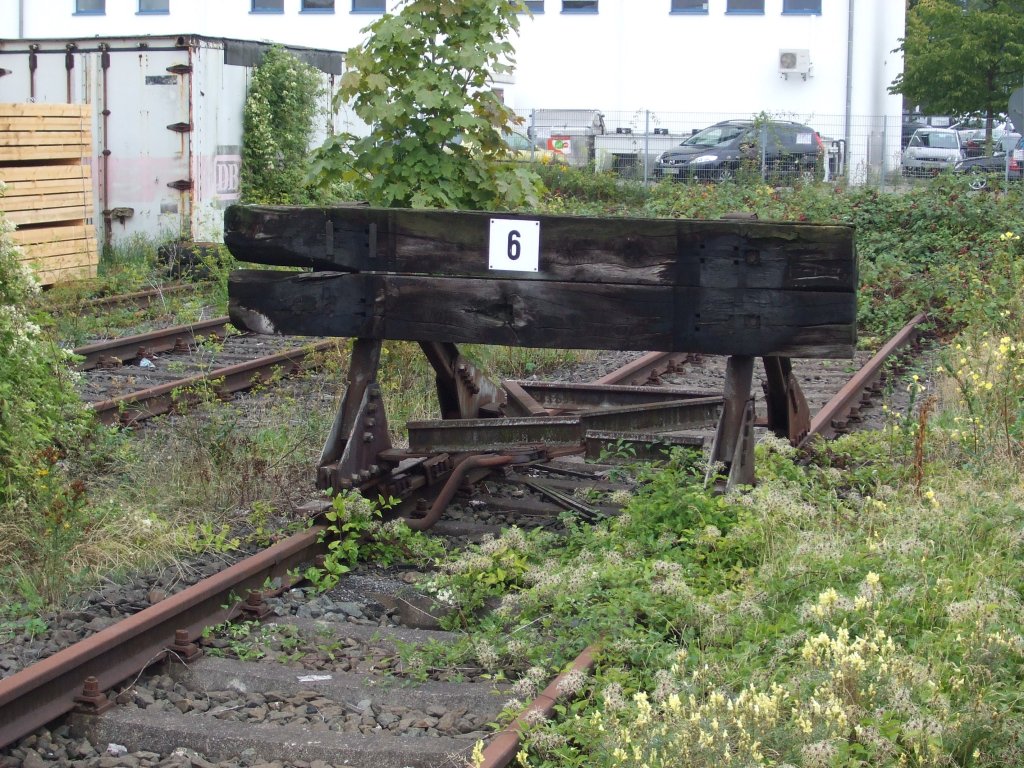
(444, 498)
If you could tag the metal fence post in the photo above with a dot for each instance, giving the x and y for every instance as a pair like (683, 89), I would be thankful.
(532, 133)
(764, 152)
(885, 151)
(647, 142)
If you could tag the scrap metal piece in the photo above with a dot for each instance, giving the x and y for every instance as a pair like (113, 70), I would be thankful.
(636, 446)
(468, 435)
(560, 396)
(520, 402)
(586, 511)
(444, 498)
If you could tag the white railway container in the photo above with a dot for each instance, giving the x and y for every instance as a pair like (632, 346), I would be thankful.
(167, 121)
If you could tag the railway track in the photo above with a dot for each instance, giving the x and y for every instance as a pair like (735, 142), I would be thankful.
(136, 299)
(133, 378)
(320, 682)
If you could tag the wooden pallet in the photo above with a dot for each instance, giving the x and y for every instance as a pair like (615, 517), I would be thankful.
(45, 150)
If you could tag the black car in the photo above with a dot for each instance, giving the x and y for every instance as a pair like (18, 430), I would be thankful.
(718, 152)
(987, 168)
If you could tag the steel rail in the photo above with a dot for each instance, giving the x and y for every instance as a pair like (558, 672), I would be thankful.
(849, 397)
(38, 694)
(646, 368)
(141, 299)
(152, 343)
(503, 748)
(136, 406)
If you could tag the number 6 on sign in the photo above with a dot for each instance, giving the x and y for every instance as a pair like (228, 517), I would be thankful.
(514, 245)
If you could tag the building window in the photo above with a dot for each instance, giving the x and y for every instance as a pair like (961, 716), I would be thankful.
(154, 6)
(579, 6)
(689, 6)
(745, 6)
(268, 6)
(801, 6)
(90, 6)
(367, 6)
(534, 6)
(317, 6)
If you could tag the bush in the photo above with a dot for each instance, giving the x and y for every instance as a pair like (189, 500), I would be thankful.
(41, 420)
(41, 412)
(278, 127)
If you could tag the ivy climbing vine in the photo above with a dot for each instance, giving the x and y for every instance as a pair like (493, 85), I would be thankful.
(278, 125)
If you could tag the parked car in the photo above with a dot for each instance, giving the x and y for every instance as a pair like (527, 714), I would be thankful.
(973, 140)
(520, 149)
(909, 127)
(524, 150)
(719, 151)
(999, 165)
(931, 151)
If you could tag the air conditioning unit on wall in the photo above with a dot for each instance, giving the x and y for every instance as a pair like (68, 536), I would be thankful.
(794, 61)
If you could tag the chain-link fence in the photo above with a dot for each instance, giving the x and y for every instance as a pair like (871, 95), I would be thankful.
(859, 149)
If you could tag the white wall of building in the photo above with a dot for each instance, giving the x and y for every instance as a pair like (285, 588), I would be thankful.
(632, 54)
(633, 57)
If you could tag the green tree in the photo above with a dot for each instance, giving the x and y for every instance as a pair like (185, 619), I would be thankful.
(962, 56)
(423, 81)
(277, 126)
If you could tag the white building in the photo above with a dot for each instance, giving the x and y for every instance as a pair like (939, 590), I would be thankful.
(668, 66)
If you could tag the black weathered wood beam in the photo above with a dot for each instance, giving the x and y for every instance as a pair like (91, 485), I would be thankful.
(713, 254)
(570, 315)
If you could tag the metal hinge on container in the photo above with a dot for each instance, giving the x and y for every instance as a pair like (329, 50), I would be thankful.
(180, 69)
(180, 127)
(181, 184)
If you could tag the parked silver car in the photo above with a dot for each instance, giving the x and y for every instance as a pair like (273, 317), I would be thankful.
(931, 151)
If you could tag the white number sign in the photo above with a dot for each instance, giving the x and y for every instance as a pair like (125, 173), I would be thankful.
(514, 245)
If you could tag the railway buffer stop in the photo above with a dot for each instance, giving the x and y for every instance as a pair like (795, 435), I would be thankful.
(741, 288)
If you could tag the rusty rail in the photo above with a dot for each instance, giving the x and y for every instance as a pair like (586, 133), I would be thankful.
(503, 747)
(50, 688)
(848, 399)
(145, 298)
(136, 406)
(646, 368)
(152, 343)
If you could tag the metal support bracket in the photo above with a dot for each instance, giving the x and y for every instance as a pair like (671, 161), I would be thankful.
(462, 390)
(788, 414)
(360, 431)
(733, 445)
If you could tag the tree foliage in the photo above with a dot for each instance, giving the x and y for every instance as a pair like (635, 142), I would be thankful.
(962, 56)
(277, 126)
(422, 81)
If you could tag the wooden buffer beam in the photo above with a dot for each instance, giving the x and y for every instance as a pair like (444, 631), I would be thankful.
(739, 288)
